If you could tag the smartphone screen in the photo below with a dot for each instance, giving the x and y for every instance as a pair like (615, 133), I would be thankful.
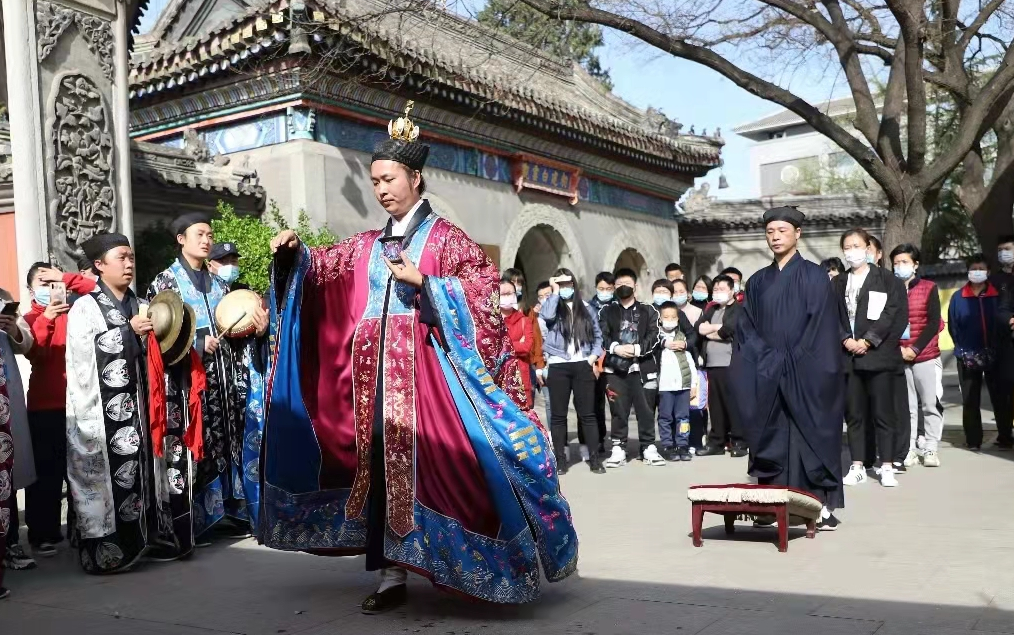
(9, 308)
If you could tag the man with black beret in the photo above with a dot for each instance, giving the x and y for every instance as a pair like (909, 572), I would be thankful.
(787, 370)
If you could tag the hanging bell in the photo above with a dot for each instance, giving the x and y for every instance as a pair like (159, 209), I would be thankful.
(723, 183)
(300, 45)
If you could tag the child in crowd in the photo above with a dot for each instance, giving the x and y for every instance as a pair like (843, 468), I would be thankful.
(677, 382)
(661, 292)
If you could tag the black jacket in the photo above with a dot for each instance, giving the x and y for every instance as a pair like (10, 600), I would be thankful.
(728, 331)
(610, 319)
(882, 333)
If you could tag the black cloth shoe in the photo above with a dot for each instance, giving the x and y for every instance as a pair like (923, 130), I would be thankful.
(1003, 445)
(597, 467)
(562, 468)
(684, 454)
(899, 468)
(384, 601)
(4, 593)
(669, 453)
(712, 450)
(739, 450)
(828, 524)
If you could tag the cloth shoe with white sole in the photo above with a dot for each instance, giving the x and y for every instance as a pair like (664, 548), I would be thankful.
(931, 459)
(912, 458)
(650, 456)
(887, 478)
(618, 458)
(855, 476)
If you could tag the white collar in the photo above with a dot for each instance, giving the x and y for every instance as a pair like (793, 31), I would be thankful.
(398, 227)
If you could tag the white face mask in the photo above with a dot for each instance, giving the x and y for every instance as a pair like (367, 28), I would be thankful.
(977, 276)
(508, 302)
(670, 325)
(904, 271)
(229, 273)
(855, 257)
(1006, 256)
(720, 297)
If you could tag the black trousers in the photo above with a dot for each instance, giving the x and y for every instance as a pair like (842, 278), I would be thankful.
(1000, 396)
(870, 403)
(44, 497)
(564, 380)
(600, 410)
(722, 410)
(629, 391)
(698, 427)
(903, 427)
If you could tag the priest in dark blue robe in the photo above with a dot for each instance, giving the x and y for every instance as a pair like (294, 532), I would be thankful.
(787, 370)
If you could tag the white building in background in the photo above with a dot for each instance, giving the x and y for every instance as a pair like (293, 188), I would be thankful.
(789, 157)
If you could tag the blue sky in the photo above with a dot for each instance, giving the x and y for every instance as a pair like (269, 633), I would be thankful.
(695, 95)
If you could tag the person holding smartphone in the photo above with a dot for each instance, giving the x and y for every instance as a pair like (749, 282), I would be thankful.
(572, 344)
(47, 399)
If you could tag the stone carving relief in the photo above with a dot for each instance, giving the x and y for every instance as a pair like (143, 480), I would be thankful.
(301, 122)
(656, 122)
(80, 162)
(195, 146)
(697, 200)
(51, 20)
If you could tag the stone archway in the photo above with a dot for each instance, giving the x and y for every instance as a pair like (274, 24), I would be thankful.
(636, 254)
(541, 224)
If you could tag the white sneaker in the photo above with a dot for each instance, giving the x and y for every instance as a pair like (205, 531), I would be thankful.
(931, 459)
(652, 457)
(617, 459)
(887, 478)
(855, 476)
(585, 457)
(912, 458)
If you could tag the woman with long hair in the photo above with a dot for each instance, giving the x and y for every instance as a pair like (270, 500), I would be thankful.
(572, 344)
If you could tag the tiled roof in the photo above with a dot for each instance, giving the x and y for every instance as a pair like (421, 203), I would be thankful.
(439, 54)
(820, 209)
(163, 165)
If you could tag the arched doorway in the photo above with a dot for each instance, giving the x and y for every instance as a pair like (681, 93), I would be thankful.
(630, 258)
(542, 251)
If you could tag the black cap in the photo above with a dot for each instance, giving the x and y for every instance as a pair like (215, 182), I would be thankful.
(221, 250)
(788, 214)
(97, 246)
(410, 153)
(180, 225)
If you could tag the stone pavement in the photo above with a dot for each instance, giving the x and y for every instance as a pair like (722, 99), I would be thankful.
(934, 556)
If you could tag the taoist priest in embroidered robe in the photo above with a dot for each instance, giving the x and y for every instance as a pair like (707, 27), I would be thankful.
(218, 478)
(787, 370)
(394, 427)
(110, 465)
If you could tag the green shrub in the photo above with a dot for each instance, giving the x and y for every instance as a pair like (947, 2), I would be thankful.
(252, 235)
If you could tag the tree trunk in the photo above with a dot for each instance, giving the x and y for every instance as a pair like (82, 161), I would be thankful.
(993, 216)
(902, 227)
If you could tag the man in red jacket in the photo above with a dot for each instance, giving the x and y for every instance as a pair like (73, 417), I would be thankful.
(47, 400)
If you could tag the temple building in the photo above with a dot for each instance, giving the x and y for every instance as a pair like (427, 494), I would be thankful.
(530, 155)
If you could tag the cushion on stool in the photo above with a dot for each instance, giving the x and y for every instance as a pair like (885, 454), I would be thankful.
(799, 503)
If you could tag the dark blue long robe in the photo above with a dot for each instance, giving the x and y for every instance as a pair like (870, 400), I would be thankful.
(788, 380)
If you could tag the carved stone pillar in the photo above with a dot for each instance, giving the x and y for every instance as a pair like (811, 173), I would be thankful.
(26, 143)
(81, 55)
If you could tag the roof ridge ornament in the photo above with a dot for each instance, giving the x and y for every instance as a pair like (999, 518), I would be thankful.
(402, 128)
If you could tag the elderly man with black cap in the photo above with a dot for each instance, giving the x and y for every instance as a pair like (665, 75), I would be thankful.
(219, 470)
(787, 370)
(397, 423)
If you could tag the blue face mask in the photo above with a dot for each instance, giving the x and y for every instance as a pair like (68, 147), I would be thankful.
(869, 258)
(659, 299)
(519, 291)
(605, 296)
(680, 299)
(229, 273)
(42, 296)
(566, 293)
(700, 296)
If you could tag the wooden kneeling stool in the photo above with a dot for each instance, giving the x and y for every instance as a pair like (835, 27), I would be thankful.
(736, 499)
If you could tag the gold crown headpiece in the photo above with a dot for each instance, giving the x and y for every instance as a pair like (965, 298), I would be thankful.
(402, 128)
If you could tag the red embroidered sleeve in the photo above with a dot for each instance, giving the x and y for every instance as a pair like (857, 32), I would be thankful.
(465, 260)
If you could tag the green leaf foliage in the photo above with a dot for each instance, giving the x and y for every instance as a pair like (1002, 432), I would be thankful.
(156, 248)
(562, 38)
